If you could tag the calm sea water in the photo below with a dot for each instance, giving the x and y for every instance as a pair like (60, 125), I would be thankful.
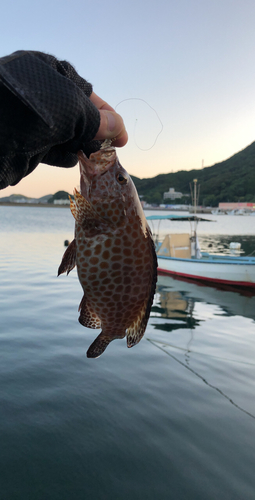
(172, 418)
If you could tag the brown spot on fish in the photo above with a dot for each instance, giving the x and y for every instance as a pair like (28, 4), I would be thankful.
(94, 260)
(106, 281)
(117, 280)
(106, 255)
(108, 243)
(95, 283)
(128, 261)
(104, 265)
(102, 275)
(98, 249)
(93, 269)
(116, 266)
(116, 250)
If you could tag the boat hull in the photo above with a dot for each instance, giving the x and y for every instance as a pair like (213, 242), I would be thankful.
(227, 271)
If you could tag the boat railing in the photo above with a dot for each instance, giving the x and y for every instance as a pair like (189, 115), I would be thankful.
(232, 258)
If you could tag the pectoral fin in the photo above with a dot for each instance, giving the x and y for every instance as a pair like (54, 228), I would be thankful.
(69, 259)
(83, 211)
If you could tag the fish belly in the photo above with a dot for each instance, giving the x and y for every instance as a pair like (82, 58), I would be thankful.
(115, 276)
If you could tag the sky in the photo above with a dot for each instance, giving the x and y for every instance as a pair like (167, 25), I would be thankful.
(188, 64)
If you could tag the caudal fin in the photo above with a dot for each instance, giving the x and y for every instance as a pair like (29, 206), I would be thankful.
(98, 346)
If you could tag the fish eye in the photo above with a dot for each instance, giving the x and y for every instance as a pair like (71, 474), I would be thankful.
(121, 179)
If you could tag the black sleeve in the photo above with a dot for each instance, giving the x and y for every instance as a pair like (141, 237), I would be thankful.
(45, 115)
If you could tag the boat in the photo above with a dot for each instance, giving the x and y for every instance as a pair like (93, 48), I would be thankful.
(180, 255)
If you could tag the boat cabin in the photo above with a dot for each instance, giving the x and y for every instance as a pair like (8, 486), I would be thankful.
(176, 245)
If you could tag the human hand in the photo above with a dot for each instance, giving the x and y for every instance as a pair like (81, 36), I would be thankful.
(111, 123)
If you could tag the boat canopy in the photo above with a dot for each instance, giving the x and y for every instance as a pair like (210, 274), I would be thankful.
(178, 217)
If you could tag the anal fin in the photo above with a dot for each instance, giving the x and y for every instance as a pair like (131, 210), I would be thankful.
(88, 317)
(69, 259)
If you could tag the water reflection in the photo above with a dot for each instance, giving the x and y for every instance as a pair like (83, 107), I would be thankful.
(173, 305)
(176, 298)
(193, 325)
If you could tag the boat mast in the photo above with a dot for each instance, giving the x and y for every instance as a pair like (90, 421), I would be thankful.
(195, 211)
(195, 196)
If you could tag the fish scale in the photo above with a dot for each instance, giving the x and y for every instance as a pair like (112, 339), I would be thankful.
(113, 250)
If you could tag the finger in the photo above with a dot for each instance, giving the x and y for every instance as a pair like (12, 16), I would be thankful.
(99, 103)
(112, 127)
(111, 123)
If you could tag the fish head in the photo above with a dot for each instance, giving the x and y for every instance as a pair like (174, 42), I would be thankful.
(107, 186)
(97, 164)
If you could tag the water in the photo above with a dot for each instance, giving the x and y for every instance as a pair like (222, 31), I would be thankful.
(171, 418)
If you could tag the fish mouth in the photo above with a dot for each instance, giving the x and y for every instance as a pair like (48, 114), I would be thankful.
(96, 165)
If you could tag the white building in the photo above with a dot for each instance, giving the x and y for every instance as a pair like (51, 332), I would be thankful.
(61, 202)
(172, 194)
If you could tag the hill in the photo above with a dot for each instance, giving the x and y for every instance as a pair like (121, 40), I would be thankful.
(60, 195)
(231, 180)
(20, 198)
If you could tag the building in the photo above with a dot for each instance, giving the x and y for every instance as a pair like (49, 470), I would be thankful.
(61, 202)
(172, 194)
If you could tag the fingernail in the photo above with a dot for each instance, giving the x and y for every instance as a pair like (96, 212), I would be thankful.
(111, 121)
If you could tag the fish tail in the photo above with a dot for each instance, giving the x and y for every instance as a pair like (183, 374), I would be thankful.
(98, 346)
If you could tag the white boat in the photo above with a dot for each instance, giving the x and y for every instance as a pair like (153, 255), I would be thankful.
(180, 255)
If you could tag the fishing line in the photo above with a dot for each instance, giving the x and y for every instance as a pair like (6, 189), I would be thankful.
(203, 379)
(167, 344)
(136, 120)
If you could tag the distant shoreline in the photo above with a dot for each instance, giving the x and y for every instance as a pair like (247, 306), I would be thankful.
(47, 205)
(53, 205)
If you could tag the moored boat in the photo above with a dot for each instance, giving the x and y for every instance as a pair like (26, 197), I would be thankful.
(180, 255)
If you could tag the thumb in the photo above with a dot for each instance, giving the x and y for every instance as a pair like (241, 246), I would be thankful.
(112, 127)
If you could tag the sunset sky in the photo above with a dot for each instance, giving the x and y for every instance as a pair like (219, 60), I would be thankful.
(192, 61)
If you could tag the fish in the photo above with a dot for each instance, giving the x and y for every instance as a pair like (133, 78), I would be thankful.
(113, 250)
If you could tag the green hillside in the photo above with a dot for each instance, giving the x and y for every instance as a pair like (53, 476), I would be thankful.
(231, 180)
(60, 195)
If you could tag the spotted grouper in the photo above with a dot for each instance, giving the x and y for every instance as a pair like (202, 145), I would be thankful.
(113, 250)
